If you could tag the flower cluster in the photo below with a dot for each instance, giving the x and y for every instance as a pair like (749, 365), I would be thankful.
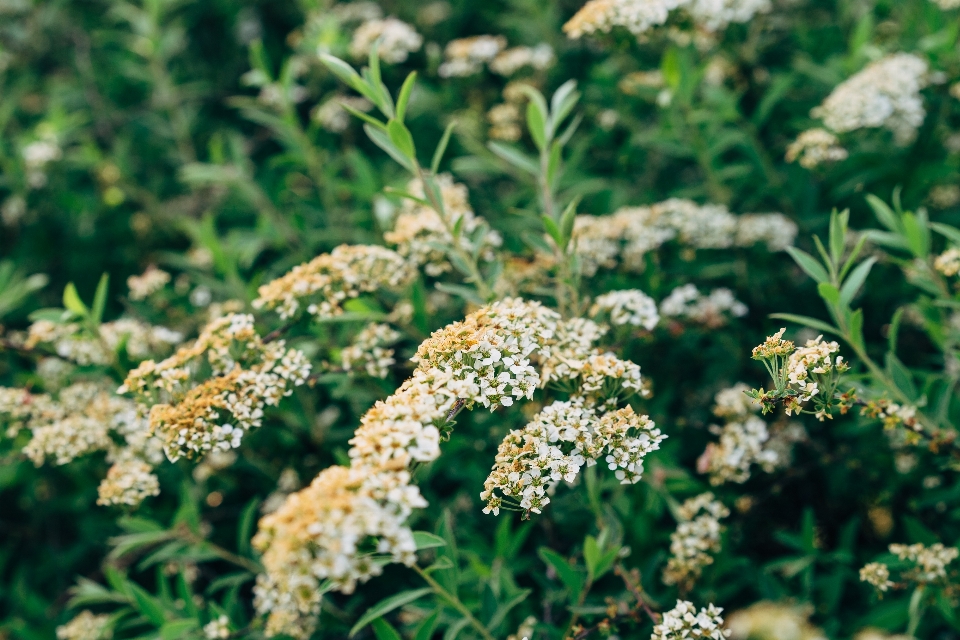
(808, 363)
(629, 233)
(422, 236)
(884, 94)
(86, 626)
(37, 155)
(83, 418)
(324, 283)
(876, 574)
(709, 310)
(128, 482)
(395, 40)
(218, 628)
(324, 532)
(742, 439)
(815, 147)
(802, 374)
(948, 262)
(630, 306)
(369, 351)
(697, 536)
(560, 440)
(146, 284)
(930, 561)
(192, 415)
(466, 56)
(683, 622)
(639, 16)
(511, 60)
(72, 342)
(337, 531)
(772, 620)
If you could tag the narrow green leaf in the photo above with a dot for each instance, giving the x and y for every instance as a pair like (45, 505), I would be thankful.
(514, 157)
(813, 323)
(100, 299)
(441, 148)
(147, 604)
(385, 631)
(917, 234)
(947, 231)
(567, 220)
(884, 213)
(400, 136)
(72, 301)
(564, 99)
(428, 626)
(404, 96)
(857, 277)
(894, 330)
(552, 229)
(425, 540)
(809, 264)
(386, 606)
(901, 376)
(856, 328)
(838, 232)
(537, 125)
(248, 518)
(383, 141)
(591, 556)
(569, 576)
(853, 257)
(453, 631)
(366, 117)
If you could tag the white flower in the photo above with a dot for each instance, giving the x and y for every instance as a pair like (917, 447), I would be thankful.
(397, 40)
(683, 622)
(630, 306)
(884, 94)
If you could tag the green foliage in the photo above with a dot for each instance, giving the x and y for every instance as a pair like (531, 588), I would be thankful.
(224, 142)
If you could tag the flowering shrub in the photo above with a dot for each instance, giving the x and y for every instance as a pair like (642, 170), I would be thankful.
(420, 320)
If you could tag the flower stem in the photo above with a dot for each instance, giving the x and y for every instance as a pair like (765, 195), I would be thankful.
(454, 602)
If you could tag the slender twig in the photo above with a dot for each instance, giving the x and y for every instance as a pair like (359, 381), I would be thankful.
(454, 601)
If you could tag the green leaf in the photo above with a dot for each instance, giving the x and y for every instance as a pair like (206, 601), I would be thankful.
(428, 626)
(72, 301)
(177, 629)
(385, 631)
(567, 220)
(552, 229)
(248, 517)
(425, 540)
(537, 125)
(383, 141)
(366, 117)
(441, 148)
(856, 328)
(100, 298)
(894, 330)
(809, 264)
(569, 576)
(454, 629)
(504, 608)
(838, 234)
(148, 605)
(404, 96)
(857, 277)
(829, 293)
(884, 213)
(386, 606)
(400, 136)
(917, 234)
(346, 73)
(813, 323)
(564, 99)
(514, 157)
(947, 231)
(901, 376)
